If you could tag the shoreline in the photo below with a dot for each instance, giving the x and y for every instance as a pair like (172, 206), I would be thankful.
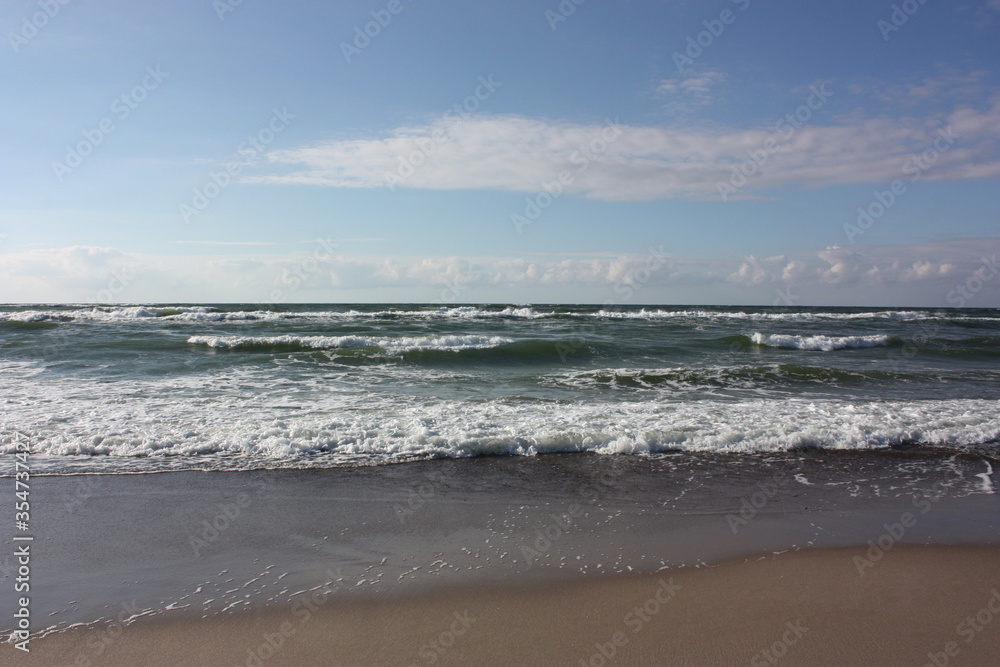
(804, 607)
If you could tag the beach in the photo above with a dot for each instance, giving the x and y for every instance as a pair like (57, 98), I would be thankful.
(499, 561)
(802, 608)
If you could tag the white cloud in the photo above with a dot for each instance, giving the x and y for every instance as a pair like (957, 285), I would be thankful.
(751, 273)
(862, 267)
(633, 163)
(795, 271)
(903, 274)
(946, 85)
(226, 243)
(687, 94)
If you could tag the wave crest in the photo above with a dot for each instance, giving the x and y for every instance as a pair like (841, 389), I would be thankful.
(820, 343)
(392, 346)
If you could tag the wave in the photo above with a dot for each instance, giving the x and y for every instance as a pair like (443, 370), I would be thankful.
(140, 313)
(820, 342)
(430, 349)
(391, 346)
(213, 314)
(472, 312)
(738, 377)
(464, 313)
(975, 347)
(207, 435)
(33, 317)
(107, 313)
(899, 315)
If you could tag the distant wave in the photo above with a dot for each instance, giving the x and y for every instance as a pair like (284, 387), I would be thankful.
(214, 314)
(819, 342)
(392, 346)
(107, 313)
(660, 314)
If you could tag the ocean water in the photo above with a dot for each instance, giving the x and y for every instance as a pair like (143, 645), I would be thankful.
(128, 389)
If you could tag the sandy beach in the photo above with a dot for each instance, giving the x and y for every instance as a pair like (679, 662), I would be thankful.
(812, 607)
(549, 560)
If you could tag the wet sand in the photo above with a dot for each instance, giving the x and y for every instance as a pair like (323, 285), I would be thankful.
(916, 605)
(519, 561)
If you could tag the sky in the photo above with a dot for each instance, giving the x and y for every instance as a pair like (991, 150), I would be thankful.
(504, 151)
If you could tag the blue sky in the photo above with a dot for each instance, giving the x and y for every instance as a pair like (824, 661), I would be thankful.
(728, 152)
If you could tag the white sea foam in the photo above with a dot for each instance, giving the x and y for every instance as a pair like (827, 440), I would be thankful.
(392, 346)
(141, 313)
(819, 342)
(108, 313)
(472, 312)
(660, 314)
(246, 418)
(986, 484)
(25, 316)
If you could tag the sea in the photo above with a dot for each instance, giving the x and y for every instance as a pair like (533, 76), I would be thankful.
(153, 388)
